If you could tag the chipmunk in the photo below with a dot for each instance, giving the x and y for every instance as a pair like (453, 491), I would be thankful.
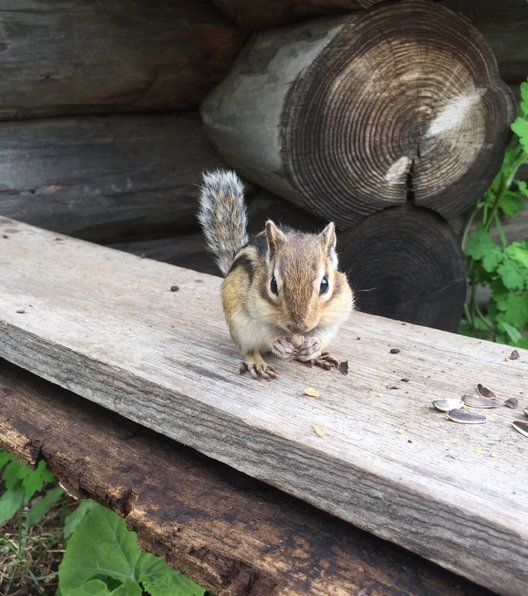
(282, 292)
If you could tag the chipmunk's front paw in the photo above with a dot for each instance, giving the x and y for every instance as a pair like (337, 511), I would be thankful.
(311, 353)
(257, 367)
(309, 350)
(284, 348)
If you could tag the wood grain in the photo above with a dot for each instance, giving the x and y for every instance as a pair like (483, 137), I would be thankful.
(105, 325)
(61, 57)
(232, 534)
(398, 103)
(105, 178)
(406, 263)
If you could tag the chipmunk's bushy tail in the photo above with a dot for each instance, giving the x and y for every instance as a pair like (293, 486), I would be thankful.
(223, 216)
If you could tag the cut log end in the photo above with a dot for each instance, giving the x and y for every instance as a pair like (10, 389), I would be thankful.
(406, 263)
(405, 102)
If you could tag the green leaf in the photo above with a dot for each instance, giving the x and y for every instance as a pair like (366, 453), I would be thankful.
(524, 98)
(43, 505)
(482, 248)
(522, 187)
(5, 458)
(520, 128)
(34, 480)
(77, 515)
(518, 251)
(513, 334)
(102, 549)
(514, 310)
(514, 275)
(10, 502)
(511, 203)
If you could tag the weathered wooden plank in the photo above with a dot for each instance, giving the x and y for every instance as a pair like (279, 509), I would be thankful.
(232, 534)
(106, 325)
(105, 178)
(66, 57)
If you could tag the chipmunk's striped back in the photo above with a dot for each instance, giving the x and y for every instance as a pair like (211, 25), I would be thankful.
(223, 216)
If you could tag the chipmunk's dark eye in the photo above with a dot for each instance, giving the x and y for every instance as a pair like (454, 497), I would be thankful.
(273, 286)
(323, 288)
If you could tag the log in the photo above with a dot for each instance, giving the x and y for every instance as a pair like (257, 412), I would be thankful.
(406, 263)
(106, 178)
(188, 250)
(504, 27)
(263, 14)
(105, 325)
(69, 57)
(352, 114)
(230, 533)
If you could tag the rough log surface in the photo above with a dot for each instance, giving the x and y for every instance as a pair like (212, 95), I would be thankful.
(69, 57)
(406, 264)
(263, 14)
(232, 534)
(105, 178)
(400, 102)
(504, 27)
(105, 325)
(503, 24)
(188, 250)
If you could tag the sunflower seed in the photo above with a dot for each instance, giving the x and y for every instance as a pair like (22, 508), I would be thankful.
(475, 401)
(522, 427)
(484, 391)
(444, 405)
(466, 416)
(525, 411)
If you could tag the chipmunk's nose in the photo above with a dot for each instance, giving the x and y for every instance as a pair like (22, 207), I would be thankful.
(297, 328)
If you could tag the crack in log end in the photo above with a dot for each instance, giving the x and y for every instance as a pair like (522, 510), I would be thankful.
(454, 113)
(410, 181)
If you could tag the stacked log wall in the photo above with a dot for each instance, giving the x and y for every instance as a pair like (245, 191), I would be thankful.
(131, 180)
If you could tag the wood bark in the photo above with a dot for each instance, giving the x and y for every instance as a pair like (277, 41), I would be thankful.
(406, 263)
(232, 534)
(349, 115)
(105, 325)
(69, 57)
(105, 178)
(263, 14)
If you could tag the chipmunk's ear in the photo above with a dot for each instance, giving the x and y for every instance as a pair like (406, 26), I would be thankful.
(328, 240)
(275, 238)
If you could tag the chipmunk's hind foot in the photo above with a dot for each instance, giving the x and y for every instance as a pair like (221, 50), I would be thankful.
(257, 367)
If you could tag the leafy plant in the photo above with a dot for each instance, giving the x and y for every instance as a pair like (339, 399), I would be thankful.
(21, 485)
(24, 548)
(102, 557)
(496, 264)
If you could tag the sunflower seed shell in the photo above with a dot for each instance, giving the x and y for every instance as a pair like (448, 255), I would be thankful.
(522, 427)
(466, 416)
(444, 405)
(475, 401)
(485, 392)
